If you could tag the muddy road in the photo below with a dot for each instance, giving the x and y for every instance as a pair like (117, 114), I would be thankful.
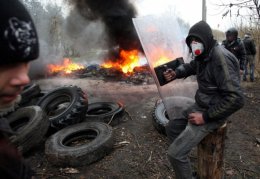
(140, 151)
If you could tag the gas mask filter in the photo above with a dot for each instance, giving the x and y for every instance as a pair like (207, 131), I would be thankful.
(197, 48)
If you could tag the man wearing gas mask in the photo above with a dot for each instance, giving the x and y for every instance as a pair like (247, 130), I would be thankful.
(218, 96)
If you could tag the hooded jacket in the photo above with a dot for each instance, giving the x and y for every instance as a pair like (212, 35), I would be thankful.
(249, 45)
(218, 77)
(238, 49)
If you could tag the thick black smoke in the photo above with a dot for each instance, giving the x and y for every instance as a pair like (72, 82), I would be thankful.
(117, 16)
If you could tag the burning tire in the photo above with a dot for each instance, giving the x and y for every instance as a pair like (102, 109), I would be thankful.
(30, 124)
(177, 104)
(64, 106)
(104, 112)
(80, 144)
(30, 91)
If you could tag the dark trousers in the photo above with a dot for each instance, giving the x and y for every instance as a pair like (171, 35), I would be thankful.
(184, 137)
(250, 62)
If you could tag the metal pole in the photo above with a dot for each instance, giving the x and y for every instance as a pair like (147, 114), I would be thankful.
(204, 10)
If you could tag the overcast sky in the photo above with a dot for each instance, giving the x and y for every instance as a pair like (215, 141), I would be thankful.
(189, 10)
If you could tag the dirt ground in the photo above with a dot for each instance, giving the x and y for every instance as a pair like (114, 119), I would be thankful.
(140, 151)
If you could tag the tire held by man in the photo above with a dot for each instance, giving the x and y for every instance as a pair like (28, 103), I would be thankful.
(176, 104)
(160, 118)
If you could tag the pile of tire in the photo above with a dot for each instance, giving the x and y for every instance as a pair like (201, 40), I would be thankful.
(78, 133)
(30, 125)
(64, 106)
(31, 94)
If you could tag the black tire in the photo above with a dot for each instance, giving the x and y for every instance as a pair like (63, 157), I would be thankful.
(33, 100)
(30, 125)
(59, 151)
(64, 106)
(160, 116)
(104, 112)
(30, 91)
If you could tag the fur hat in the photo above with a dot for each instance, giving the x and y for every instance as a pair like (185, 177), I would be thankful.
(18, 36)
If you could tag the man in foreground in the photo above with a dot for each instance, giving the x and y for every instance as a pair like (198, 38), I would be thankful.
(19, 45)
(218, 96)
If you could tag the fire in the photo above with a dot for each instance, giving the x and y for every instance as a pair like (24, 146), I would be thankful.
(127, 61)
(161, 56)
(66, 67)
(161, 61)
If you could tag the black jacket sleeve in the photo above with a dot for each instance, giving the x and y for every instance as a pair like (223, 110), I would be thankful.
(252, 47)
(186, 70)
(230, 97)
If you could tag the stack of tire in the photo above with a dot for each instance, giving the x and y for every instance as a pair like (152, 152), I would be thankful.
(77, 133)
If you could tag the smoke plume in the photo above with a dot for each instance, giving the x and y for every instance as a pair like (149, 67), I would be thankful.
(117, 18)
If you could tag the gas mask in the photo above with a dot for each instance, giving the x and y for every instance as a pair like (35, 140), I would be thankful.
(197, 48)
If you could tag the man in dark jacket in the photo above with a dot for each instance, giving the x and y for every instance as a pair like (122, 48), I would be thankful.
(236, 46)
(218, 96)
(19, 45)
(250, 56)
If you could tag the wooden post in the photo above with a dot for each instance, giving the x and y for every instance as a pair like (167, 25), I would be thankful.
(211, 154)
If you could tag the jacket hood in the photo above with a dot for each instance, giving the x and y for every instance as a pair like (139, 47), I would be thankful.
(202, 31)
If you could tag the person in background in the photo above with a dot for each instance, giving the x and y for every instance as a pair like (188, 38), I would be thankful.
(19, 45)
(235, 45)
(218, 96)
(250, 57)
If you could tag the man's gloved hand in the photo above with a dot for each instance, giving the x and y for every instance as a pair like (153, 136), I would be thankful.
(169, 75)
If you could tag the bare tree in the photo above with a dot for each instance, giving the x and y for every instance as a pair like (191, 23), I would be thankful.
(245, 9)
(248, 12)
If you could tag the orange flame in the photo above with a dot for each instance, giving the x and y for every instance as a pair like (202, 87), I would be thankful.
(161, 60)
(161, 56)
(67, 67)
(127, 61)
